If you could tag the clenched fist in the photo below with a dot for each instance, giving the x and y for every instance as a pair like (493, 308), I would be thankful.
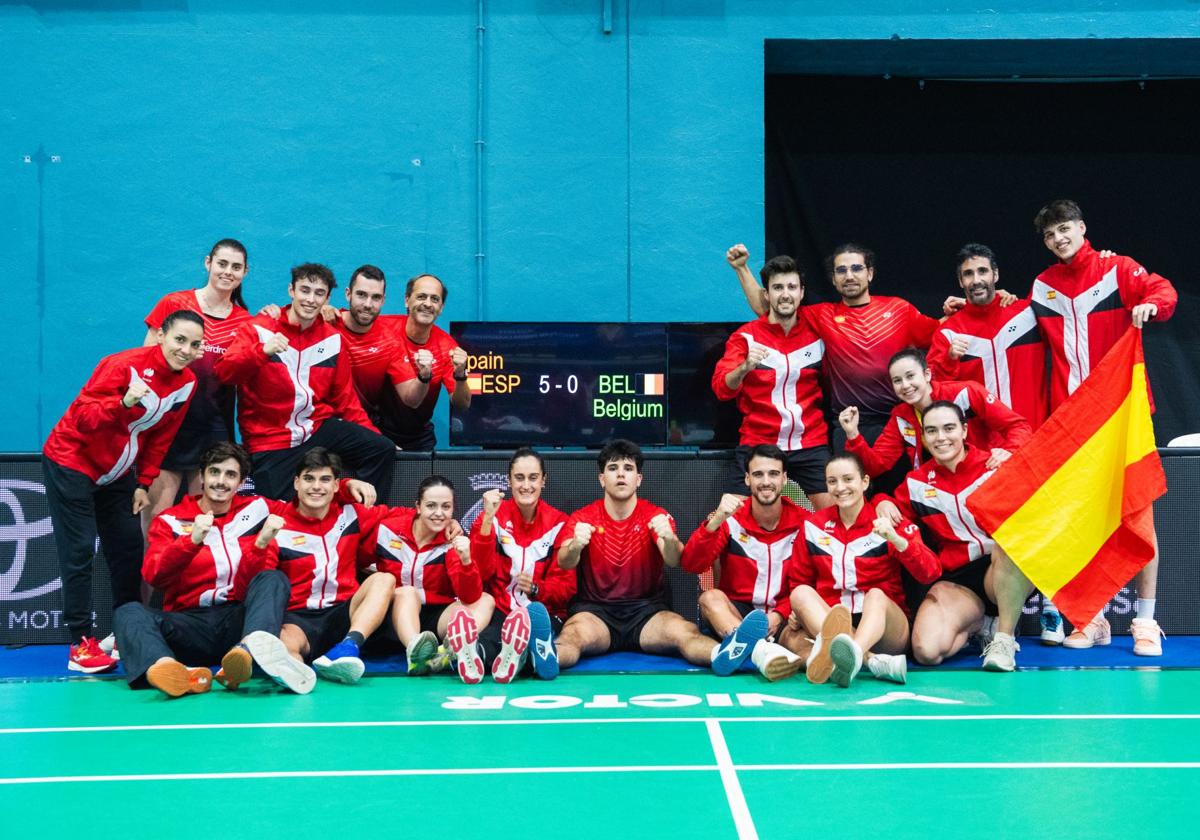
(275, 345)
(848, 420)
(755, 356)
(958, 347)
(133, 396)
(423, 361)
(458, 358)
(583, 533)
(269, 529)
(201, 525)
(462, 546)
(730, 502)
(737, 256)
(491, 502)
(660, 524)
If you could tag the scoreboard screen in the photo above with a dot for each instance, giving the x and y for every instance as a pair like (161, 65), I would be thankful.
(576, 384)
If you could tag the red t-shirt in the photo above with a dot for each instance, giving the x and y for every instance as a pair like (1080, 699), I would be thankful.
(412, 422)
(622, 562)
(372, 354)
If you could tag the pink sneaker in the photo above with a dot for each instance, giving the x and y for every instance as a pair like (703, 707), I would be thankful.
(514, 641)
(461, 636)
(1097, 632)
(87, 657)
(1147, 636)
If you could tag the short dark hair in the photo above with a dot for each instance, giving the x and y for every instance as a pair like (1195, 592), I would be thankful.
(224, 450)
(914, 353)
(766, 450)
(974, 249)
(782, 264)
(850, 248)
(955, 407)
(620, 450)
(431, 482)
(314, 271)
(319, 458)
(371, 272)
(182, 315)
(236, 297)
(412, 281)
(1057, 211)
(851, 457)
(527, 452)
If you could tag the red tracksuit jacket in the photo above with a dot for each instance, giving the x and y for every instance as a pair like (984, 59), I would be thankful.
(101, 438)
(434, 569)
(283, 399)
(1083, 307)
(991, 424)
(515, 547)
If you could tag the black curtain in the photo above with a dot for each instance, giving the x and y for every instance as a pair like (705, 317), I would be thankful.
(915, 170)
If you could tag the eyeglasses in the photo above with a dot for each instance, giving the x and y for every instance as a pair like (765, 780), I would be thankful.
(850, 269)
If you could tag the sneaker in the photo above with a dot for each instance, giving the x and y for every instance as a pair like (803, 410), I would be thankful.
(514, 641)
(442, 660)
(340, 663)
(1097, 632)
(1146, 637)
(237, 666)
(820, 664)
(987, 630)
(775, 662)
(109, 645)
(1052, 628)
(891, 667)
(847, 659)
(462, 636)
(175, 679)
(419, 651)
(272, 656)
(541, 637)
(87, 658)
(739, 642)
(1000, 654)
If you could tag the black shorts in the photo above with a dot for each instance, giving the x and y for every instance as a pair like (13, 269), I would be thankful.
(189, 444)
(744, 609)
(324, 627)
(806, 467)
(971, 577)
(624, 619)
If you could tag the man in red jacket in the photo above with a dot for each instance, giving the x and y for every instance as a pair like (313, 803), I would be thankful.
(1084, 304)
(99, 463)
(203, 556)
(295, 391)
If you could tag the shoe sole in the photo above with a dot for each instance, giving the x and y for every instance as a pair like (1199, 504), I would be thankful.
(72, 665)
(781, 668)
(845, 669)
(425, 649)
(237, 666)
(272, 656)
(346, 669)
(752, 630)
(837, 623)
(176, 679)
(461, 635)
(900, 678)
(992, 665)
(514, 641)
(1085, 644)
(541, 630)
(1053, 641)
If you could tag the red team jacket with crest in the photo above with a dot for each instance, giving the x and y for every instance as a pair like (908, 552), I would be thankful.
(218, 570)
(780, 400)
(284, 399)
(1082, 308)
(434, 569)
(936, 498)
(101, 438)
(991, 424)
(518, 547)
(753, 560)
(844, 563)
(1005, 354)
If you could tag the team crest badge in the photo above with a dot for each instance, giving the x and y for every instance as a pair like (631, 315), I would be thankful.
(930, 493)
(1051, 295)
(823, 542)
(187, 527)
(396, 544)
(506, 540)
(840, 319)
(299, 540)
(743, 538)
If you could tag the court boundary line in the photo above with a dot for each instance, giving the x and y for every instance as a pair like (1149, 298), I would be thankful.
(742, 820)
(321, 724)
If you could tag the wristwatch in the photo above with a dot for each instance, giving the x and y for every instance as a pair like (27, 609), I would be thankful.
(533, 591)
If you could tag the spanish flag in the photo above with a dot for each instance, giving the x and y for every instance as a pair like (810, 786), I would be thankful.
(1072, 507)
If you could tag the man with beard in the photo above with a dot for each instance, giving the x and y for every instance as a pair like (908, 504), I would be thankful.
(749, 541)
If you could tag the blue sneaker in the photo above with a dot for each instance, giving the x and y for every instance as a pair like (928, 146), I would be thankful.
(736, 646)
(1053, 632)
(340, 664)
(541, 636)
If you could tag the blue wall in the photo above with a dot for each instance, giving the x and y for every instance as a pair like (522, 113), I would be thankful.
(618, 166)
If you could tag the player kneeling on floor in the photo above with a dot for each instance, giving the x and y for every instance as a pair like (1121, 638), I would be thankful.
(439, 589)
(620, 544)
(845, 584)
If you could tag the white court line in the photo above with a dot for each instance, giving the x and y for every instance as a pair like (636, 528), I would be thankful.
(620, 768)
(733, 788)
(350, 724)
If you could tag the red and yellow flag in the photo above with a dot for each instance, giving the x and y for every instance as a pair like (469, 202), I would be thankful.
(1072, 507)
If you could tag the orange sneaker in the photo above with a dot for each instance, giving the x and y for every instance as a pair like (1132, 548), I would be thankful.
(1147, 637)
(236, 667)
(1097, 632)
(175, 679)
(87, 658)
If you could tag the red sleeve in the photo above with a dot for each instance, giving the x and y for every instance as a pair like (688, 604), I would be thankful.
(921, 328)
(921, 563)
(244, 356)
(798, 570)
(368, 523)
(900, 499)
(158, 440)
(704, 548)
(557, 586)
(254, 560)
(736, 349)
(483, 552)
(344, 398)
(99, 403)
(400, 370)
(159, 313)
(1003, 424)
(465, 580)
(166, 554)
(888, 448)
(1142, 286)
(938, 359)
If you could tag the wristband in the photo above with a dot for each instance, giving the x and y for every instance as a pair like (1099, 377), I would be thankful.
(425, 379)
(534, 590)
(462, 378)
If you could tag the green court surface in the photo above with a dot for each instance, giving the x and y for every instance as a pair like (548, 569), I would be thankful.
(1066, 753)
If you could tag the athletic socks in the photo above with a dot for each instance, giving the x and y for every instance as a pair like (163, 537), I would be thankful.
(1145, 608)
(1048, 606)
(356, 638)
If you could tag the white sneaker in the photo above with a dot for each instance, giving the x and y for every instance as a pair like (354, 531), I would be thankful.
(1000, 654)
(892, 667)
(109, 645)
(775, 662)
(1097, 632)
(820, 665)
(1053, 632)
(983, 636)
(1147, 637)
(847, 659)
(272, 656)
